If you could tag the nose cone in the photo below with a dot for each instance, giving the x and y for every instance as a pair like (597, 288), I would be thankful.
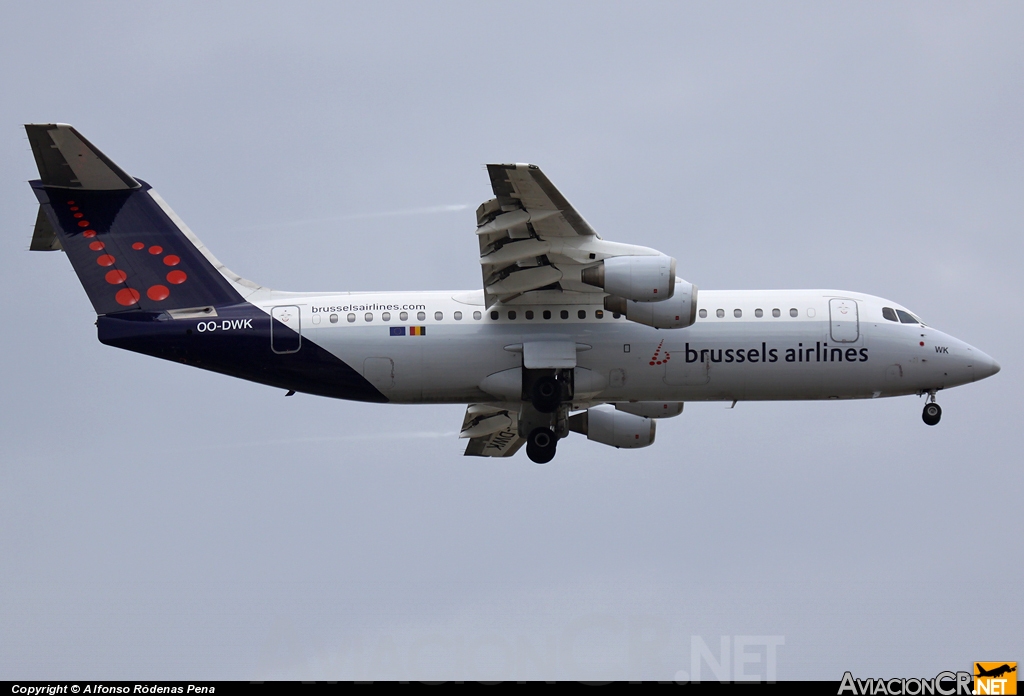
(984, 366)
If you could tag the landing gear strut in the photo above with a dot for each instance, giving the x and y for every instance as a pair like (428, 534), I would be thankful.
(540, 445)
(932, 411)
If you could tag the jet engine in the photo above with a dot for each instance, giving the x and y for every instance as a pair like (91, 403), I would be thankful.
(610, 427)
(678, 312)
(640, 278)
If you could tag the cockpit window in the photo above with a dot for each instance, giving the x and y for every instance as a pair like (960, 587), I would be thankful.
(907, 317)
(889, 313)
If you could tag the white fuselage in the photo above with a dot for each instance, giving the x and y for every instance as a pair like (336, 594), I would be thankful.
(824, 344)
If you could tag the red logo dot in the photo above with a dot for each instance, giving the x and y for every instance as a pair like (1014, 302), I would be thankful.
(138, 246)
(154, 250)
(105, 260)
(83, 223)
(116, 277)
(71, 202)
(89, 234)
(176, 277)
(158, 292)
(79, 215)
(127, 297)
(96, 246)
(74, 207)
(171, 260)
(652, 362)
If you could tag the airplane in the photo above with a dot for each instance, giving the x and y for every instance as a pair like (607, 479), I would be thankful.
(995, 672)
(569, 333)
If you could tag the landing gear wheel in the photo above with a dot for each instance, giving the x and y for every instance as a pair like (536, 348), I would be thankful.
(932, 414)
(546, 394)
(540, 445)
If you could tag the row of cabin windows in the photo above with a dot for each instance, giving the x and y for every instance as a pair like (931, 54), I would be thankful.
(546, 314)
(403, 316)
(896, 315)
(720, 313)
(439, 316)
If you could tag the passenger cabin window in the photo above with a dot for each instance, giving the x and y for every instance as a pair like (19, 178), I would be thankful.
(890, 314)
(737, 313)
(368, 316)
(529, 314)
(334, 318)
(494, 314)
(907, 317)
(351, 318)
(386, 316)
(438, 316)
(776, 313)
(404, 316)
(477, 315)
(703, 314)
(512, 314)
(793, 312)
(599, 313)
(720, 313)
(458, 316)
(422, 316)
(547, 313)
(582, 314)
(564, 314)
(758, 313)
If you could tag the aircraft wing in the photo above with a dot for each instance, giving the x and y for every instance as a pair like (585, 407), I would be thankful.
(533, 241)
(492, 431)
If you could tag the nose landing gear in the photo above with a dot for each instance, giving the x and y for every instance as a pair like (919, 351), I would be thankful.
(932, 411)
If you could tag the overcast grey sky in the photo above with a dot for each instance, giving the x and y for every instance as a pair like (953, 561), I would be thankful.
(160, 521)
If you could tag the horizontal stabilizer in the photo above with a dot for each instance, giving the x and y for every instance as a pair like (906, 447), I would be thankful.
(44, 237)
(67, 160)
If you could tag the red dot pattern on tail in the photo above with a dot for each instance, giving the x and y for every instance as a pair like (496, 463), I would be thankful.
(128, 296)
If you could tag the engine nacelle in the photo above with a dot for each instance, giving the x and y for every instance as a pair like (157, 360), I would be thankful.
(610, 427)
(651, 409)
(640, 278)
(676, 313)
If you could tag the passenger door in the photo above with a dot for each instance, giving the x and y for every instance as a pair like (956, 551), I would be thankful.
(845, 324)
(285, 329)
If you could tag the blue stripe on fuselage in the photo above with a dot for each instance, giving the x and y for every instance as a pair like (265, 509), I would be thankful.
(237, 342)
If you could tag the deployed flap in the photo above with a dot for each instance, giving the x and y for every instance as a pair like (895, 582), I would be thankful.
(532, 240)
(492, 431)
(67, 160)
(44, 237)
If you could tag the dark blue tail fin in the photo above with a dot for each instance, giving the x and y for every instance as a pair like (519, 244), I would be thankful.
(130, 251)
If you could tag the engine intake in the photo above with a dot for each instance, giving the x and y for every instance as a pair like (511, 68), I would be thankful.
(676, 313)
(640, 278)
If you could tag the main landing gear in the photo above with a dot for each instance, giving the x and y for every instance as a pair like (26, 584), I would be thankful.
(544, 413)
(540, 445)
(932, 411)
(546, 394)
